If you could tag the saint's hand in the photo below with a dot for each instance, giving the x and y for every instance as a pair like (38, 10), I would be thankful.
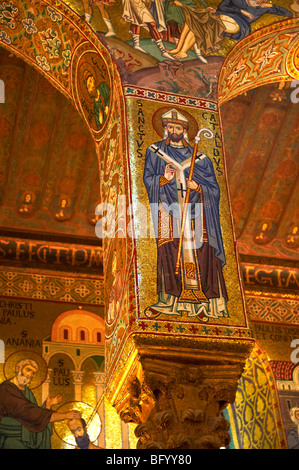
(192, 184)
(73, 415)
(53, 400)
(246, 13)
(169, 172)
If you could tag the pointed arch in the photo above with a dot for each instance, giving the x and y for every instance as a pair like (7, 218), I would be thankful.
(268, 55)
(255, 416)
(52, 38)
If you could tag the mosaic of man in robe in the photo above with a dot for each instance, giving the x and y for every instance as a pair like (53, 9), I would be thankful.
(163, 192)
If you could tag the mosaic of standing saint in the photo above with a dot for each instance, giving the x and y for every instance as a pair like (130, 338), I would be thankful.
(184, 197)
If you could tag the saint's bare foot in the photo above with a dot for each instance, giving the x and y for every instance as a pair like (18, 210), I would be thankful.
(181, 55)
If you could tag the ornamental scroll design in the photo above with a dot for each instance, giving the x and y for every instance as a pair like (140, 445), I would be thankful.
(268, 55)
(257, 408)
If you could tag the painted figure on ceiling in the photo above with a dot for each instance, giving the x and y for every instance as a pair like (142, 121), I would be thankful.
(63, 213)
(101, 97)
(24, 424)
(27, 208)
(200, 278)
(102, 5)
(175, 19)
(207, 28)
(146, 14)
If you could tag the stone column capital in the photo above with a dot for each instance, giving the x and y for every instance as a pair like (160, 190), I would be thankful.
(178, 404)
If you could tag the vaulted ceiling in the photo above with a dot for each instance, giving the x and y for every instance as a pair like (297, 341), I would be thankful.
(49, 182)
(261, 145)
(49, 179)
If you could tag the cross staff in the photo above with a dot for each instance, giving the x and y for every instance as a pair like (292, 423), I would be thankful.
(95, 410)
(208, 134)
(181, 189)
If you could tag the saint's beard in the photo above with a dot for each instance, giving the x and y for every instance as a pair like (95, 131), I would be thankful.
(175, 137)
(83, 441)
(252, 3)
(23, 380)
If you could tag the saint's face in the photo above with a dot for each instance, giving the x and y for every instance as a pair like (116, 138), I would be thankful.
(90, 84)
(79, 432)
(76, 428)
(174, 128)
(26, 375)
(175, 132)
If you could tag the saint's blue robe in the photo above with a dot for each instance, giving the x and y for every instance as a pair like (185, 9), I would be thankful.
(233, 9)
(168, 194)
(209, 253)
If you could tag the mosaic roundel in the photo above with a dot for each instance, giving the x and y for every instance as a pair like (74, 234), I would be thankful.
(92, 88)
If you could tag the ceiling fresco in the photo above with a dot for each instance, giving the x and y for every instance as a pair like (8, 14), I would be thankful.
(261, 146)
(177, 38)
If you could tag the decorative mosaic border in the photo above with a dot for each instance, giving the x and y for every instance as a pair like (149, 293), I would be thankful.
(268, 309)
(43, 286)
(170, 98)
(180, 329)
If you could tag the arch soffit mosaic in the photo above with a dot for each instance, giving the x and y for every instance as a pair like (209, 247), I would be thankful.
(63, 49)
(268, 55)
(258, 363)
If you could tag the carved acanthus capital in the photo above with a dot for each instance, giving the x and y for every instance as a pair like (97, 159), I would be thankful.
(139, 403)
(181, 410)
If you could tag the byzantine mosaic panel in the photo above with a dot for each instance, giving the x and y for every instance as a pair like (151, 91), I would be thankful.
(51, 38)
(146, 113)
(145, 62)
(273, 309)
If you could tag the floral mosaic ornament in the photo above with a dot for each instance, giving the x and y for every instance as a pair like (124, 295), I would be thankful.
(268, 55)
(256, 408)
(8, 15)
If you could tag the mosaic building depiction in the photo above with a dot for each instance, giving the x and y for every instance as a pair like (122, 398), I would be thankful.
(149, 226)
